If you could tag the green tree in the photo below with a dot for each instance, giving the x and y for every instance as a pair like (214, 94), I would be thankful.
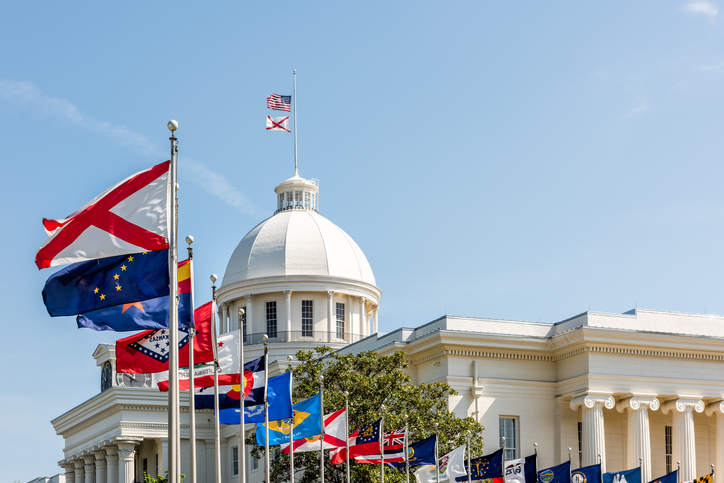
(371, 380)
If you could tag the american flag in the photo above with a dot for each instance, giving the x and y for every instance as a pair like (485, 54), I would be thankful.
(279, 103)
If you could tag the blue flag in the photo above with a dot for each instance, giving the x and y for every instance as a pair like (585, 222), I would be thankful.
(556, 474)
(307, 422)
(628, 476)
(484, 467)
(96, 284)
(587, 474)
(672, 477)
(420, 453)
(279, 395)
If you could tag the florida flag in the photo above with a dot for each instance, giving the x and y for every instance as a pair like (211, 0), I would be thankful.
(130, 217)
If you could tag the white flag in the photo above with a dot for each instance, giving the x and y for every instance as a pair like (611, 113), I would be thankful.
(277, 124)
(451, 466)
(514, 471)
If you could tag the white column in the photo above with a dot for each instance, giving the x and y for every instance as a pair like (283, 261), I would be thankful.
(100, 456)
(717, 409)
(288, 302)
(220, 316)
(594, 441)
(684, 447)
(249, 321)
(210, 460)
(69, 468)
(164, 456)
(639, 434)
(331, 317)
(227, 317)
(375, 328)
(79, 470)
(126, 452)
(364, 329)
(111, 463)
(90, 467)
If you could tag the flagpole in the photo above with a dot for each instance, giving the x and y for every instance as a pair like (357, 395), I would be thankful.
(242, 382)
(291, 433)
(469, 468)
(192, 387)
(296, 172)
(346, 423)
(217, 430)
(266, 406)
(382, 444)
(321, 435)
(174, 438)
(437, 458)
(407, 454)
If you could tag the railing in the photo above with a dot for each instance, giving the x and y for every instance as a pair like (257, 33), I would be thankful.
(303, 336)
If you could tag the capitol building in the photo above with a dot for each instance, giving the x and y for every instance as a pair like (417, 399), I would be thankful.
(640, 388)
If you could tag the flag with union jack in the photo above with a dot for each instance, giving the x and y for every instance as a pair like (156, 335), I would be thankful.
(394, 449)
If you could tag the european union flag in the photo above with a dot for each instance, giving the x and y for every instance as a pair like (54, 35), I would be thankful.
(96, 284)
(556, 474)
(484, 467)
(628, 476)
(279, 395)
(420, 453)
(587, 474)
(672, 477)
(307, 422)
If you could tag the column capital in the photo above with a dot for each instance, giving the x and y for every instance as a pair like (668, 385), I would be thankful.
(683, 404)
(330, 293)
(592, 400)
(248, 297)
(362, 299)
(287, 293)
(635, 403)
(79, 465)
(111, 450)
(715, 408)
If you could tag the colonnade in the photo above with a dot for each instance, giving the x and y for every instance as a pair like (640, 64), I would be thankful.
(110, 462)
(638, 435)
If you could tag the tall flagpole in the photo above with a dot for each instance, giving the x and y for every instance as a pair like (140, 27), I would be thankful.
(192, 387)
(296, 172)
(437, 457)
(469, 469)
(346, 423)
(217, 431)
(382, 444)
(174, 437)
(291, 432)
(242, 382)
(267, 470)
(321, 435)
(407, 454)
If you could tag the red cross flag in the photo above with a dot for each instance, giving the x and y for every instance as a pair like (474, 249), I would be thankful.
(130, 217)
(277, 124)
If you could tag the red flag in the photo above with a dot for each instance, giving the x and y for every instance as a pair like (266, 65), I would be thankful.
(130, 217)
(148, 351)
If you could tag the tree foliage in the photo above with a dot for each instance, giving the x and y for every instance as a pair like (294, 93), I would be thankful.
(371, 380)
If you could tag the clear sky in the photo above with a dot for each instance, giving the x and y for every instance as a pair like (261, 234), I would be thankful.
(516, 160)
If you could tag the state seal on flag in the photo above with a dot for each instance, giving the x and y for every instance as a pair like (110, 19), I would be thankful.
(578, 477)
(546, 476)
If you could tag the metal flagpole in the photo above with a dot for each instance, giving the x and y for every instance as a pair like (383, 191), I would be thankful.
(469, 468)
(346, 423)
(569, 453)
(174, 439)
(296, 172)
(192, 387)
(217, 431)
(382, 444)
(321, 435)
(266, 407)
(437, 457)
(291, 434)
(407, 454)
(242, 381)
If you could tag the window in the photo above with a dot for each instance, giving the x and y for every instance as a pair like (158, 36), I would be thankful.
(157, 460)
(271, 319)
(242, 323)
(340, 320)
(234, 460)
(254, 462)
(669, 448)
(145, 464)
(509, 431)
(580, 444)
(307, 318)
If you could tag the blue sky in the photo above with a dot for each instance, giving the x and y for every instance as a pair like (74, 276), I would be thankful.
(511, 160)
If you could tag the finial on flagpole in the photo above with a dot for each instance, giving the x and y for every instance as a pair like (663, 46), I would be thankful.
(172, 125)
(569, 453)
(535, 448)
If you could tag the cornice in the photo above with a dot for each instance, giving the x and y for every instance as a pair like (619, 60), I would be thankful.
(299, 283)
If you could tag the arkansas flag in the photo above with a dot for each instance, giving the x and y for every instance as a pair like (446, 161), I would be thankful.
(130, 217)
(335, 435)
(147, 352)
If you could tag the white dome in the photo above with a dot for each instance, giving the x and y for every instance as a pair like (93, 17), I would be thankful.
(294, 243)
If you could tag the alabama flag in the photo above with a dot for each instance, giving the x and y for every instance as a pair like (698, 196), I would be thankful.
(130, 217)
(335, 434)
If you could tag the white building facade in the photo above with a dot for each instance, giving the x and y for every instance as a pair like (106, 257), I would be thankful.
(618, 388)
